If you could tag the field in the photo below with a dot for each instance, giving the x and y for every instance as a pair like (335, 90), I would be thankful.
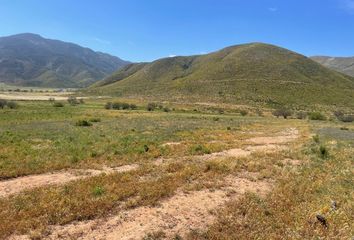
(178, 172)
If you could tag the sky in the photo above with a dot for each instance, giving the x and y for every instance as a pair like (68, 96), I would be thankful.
(145, 30)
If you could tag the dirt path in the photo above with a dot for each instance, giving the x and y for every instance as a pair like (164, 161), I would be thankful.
(182, 212)
(17, 185)
(177, 215)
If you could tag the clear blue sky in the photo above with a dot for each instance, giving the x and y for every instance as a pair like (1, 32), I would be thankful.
(144, 30)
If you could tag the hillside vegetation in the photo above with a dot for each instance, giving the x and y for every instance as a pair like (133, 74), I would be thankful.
(250, 73)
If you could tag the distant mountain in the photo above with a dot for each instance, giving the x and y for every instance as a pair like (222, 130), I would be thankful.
(31, 60)
(341, 64)
(250, 73)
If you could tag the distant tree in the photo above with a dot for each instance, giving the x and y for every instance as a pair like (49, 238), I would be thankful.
(3, 103)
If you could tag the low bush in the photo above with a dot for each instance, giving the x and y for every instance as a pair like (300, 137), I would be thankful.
(3, 103)
(282, 112)
(58, 104)
(12, 105)
(243, 112)
(317, 116)
(94, 120)
(83, 123)
(301, 115)
(151, 106)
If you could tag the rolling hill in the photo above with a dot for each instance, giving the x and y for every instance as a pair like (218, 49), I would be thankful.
(249, 73)
(31, 60)
(341, 64)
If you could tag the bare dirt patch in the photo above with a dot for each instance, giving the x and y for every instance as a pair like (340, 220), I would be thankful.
(35, 96)
(17, 185)
(177, 215)
(285, 136)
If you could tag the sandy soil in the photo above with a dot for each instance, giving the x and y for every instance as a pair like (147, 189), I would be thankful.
(34, 96)
(17, 185)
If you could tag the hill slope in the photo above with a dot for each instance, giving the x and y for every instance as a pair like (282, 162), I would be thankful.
(341, 64)
(239, 74)
(30, 60)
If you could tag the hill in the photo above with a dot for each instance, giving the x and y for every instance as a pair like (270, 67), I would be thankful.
(341, 64)
(31, 60)
(249, 73)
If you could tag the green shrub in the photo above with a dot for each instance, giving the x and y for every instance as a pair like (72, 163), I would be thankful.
(83, 123)
(243, 112)
(166, 109)
(98, 191)
(117, 106)
(200, 149)
(58, 104)
(316, 138)
(125, 106)
(12, 105)
(317, 116)
(323, 151)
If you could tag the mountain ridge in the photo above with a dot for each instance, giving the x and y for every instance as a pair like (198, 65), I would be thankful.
(28, 59)
(341, 64)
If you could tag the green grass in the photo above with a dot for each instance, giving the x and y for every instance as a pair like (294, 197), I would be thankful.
(39, 138)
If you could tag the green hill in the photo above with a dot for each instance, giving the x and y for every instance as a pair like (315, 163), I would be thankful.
(249, 73)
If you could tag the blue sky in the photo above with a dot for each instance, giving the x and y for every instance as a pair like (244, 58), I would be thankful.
(144, 30)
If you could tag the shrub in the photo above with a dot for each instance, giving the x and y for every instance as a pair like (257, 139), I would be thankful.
(58, 104)
(282, 112)
(316, 138)
(73, 101)
(133, 106)
(108, 105)
(347, 118)
(243, 112)
(12, 105)
(98, 191)
(3, 103)
(166, 109)
(125, 106)
(151, 106)
(338, 114)
(200, 149)
(301, 115)
(317, 116)
(83, 123)
(117, 106)
(323, 152)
